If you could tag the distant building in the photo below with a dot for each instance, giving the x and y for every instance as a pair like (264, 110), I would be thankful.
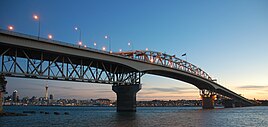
(103, 102)
(15, 96)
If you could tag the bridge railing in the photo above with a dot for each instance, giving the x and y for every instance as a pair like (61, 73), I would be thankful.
(166, 60)
(51, 41)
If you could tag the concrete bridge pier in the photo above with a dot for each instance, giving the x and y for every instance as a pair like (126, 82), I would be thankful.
(208, 99)
(3, 83)
(126, 97)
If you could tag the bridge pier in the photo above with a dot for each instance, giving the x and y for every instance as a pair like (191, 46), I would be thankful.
(3, 83)
(126, 97)
(208, 99)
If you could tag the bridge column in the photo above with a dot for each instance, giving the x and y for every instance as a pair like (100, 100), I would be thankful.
(126, 97)
(3, 83)
(208, 99)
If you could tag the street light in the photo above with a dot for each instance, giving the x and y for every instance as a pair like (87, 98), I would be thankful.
(95, 45)
(10, 28)
(120, 50)
(80, 43)
(37, 18)
(49, 36)
(78, 29)
(104, 48)
(130, 45)
(109, 39)
(146, 49)
(85, 46)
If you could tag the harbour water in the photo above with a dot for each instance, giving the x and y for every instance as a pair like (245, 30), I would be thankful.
(144, 117)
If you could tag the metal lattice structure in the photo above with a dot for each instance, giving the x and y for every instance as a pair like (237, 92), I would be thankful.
(166, 60)
(31, 57)
(19, 62)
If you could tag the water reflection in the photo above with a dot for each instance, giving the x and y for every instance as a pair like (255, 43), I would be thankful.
(144, 117)
(124, 119)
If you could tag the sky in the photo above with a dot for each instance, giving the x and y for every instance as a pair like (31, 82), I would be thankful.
(228, 39)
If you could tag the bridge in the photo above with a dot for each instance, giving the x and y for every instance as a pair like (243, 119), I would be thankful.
(26, 56)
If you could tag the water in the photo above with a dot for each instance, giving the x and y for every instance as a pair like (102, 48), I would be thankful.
(144, 117)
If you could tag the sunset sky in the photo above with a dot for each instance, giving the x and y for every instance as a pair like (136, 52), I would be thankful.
(228, 39)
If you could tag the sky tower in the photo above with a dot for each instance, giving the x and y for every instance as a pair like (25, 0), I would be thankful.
(46, 95)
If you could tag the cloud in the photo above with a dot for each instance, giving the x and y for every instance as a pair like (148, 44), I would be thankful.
(252, 87)
(174, 97)
(170, 90)
(164, 89)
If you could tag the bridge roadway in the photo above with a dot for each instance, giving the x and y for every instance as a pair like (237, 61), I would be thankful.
(32, 57)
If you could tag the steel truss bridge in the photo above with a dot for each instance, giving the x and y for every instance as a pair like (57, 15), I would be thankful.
(32, 57)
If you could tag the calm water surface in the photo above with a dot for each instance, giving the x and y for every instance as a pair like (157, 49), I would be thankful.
(144, 117)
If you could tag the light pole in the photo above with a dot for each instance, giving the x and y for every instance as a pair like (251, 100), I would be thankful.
(37, 18)
(130, 45)
(95, 45)
(79, 41)
(78, 29)
(110, 45)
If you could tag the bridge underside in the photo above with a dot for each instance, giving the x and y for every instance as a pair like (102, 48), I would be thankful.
(33, 63)
(185, 78)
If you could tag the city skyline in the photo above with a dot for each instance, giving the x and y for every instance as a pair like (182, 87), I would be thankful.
(229, 42)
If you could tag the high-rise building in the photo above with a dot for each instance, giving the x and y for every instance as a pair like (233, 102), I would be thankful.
(15, 96)
(46, 95)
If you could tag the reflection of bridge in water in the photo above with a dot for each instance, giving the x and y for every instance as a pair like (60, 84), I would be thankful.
(29, 57)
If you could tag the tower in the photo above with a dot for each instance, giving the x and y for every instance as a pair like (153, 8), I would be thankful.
(46, 95)
(15, 96)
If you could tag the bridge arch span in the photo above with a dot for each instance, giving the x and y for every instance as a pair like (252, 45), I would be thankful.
(181, 76)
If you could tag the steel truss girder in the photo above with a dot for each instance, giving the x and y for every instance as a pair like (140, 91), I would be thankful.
(166, 60)
(64, 67)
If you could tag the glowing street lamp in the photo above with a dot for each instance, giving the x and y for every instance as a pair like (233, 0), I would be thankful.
(146, 49)
(104, 48)
(80, 43)
(49, 36)
(85, 46)
(37, 18)
(130, 45)
(10, 28)
(120, 50)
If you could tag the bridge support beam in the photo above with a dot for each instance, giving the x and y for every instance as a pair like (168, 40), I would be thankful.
(3, 83)
(228, 103)
(208, 99)
(126, 97)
